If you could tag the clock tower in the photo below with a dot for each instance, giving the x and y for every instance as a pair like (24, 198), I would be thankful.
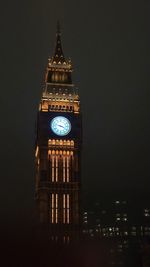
(58, 150)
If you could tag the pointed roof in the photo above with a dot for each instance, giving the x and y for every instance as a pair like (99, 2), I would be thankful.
(58, 57)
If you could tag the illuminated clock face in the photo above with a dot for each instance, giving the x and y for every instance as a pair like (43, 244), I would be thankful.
(60, 125)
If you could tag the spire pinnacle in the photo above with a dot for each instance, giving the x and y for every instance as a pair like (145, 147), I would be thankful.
(58, 57)
(59, 69)
(58, 28)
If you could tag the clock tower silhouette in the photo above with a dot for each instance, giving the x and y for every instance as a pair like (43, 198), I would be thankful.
(58, 151)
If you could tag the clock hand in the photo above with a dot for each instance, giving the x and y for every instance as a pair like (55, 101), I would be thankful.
(60, 126)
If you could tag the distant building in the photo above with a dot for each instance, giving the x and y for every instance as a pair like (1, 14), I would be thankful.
(126, 229)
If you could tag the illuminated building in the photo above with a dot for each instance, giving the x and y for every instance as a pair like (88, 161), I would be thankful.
(58, 150)
(124, 228)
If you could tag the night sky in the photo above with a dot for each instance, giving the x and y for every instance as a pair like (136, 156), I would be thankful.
(109, 44)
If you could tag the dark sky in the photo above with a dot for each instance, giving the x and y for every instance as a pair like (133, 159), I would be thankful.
(109, 44)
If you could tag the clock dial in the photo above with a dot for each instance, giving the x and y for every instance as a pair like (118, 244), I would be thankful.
(60, 125)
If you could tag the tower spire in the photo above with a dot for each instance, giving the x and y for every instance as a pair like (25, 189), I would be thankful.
(59, 69)
(58, 57)
(58, 28)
